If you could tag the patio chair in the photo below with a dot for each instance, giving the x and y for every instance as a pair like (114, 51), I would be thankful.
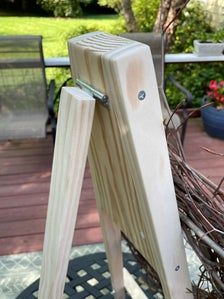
(26, 102)
(156, 44)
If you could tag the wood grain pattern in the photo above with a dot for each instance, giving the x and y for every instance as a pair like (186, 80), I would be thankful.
(112, 241)
(132, 287)
(196, 138)
(128, 153)
(73, 133)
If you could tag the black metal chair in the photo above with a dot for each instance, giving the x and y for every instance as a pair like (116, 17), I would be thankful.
(26, 102)
(88, 277)
(156, 43)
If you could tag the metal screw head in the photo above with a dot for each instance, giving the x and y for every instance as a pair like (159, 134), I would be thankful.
(141, 95)
(177, 268)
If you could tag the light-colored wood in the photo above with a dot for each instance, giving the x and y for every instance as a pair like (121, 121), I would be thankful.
(128, 153)
(73, 133)
(112, 242)
(132, 287)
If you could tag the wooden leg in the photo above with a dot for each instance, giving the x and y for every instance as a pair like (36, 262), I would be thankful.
(71, 146)
(132, 287)
(112, 242)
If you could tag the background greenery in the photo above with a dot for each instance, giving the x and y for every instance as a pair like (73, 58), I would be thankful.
(194, 24)
(56, 32)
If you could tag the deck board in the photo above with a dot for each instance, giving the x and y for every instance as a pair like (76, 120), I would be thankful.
(197, 141)
(25, 168)
(30, 243)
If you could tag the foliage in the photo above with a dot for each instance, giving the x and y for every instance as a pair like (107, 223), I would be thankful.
(195, 77)
(217, 36)
(145, 11)
(62, 8)
(216, 93)
(114, 4)
(95, 26)
(56, 32)
(194, 24)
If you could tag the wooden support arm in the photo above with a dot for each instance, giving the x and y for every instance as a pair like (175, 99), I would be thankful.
(72, 140)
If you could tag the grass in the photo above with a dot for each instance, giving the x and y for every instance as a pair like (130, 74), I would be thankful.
(56, 32)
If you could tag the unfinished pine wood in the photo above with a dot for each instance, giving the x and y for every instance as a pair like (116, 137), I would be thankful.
(132, 287)
(112, 240)
(200, 159)
(128, 154)
(73, 133)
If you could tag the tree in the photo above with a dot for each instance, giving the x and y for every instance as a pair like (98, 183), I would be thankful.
(149, 15)
(114, 4)
(124, 8)
(129, 16)
(167, 17)
(62, 8)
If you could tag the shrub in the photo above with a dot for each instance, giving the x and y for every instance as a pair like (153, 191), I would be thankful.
(114, 4)
(194, 24)
(62, 8)
(145, 12)
(84, 27)
(195, 77)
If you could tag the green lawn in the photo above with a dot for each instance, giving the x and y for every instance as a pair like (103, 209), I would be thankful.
(56, 31)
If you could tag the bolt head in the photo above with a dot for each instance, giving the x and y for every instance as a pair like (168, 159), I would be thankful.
(141, 95)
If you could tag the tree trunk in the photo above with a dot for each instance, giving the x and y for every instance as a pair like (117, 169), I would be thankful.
(168, 11)
(129, 16)
(162, 15)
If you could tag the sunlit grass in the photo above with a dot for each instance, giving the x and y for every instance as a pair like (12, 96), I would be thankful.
(56, 31)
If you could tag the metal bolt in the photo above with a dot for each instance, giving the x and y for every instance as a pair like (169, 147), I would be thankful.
(177, 268)
(141, 95)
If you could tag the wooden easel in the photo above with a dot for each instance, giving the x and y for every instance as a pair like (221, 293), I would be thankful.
(129, 164)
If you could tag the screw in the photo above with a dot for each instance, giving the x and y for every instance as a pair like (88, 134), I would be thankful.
(141, 95)
(177, 268)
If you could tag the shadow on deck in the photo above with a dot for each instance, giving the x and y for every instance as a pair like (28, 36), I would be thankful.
(24, 185)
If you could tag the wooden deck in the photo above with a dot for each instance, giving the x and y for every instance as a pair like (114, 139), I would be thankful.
(25, 169)
(197, 147)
